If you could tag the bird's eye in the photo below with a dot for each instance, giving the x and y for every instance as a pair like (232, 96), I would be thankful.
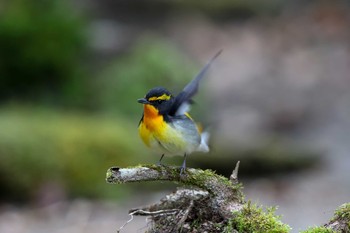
(159, 101)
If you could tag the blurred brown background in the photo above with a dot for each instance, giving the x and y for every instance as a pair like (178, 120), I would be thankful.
(277, 99)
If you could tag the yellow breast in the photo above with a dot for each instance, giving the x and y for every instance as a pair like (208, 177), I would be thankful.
(159, 135)
(152, 125)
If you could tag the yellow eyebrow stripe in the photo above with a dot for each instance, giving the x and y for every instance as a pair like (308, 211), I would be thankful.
(162, 97)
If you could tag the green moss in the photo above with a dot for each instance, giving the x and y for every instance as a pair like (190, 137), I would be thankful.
(343, 212)
(321, 229)
(202, 177)
(229, 227)
(254, 219)
(342, 215)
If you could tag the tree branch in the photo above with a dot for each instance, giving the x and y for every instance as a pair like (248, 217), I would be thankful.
(226, 195)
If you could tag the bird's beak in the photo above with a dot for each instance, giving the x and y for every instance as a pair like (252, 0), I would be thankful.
(143, 101)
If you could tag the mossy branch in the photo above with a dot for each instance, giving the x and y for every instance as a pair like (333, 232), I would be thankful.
(212, 203)
(226, 194)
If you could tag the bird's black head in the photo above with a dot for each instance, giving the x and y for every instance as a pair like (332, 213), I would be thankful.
(160, 98)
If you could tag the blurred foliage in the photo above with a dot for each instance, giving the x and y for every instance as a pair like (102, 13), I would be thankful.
(151, 62)
(270, 159)
(41, 48)
(217, 10)
(39, 146)
(229, 9)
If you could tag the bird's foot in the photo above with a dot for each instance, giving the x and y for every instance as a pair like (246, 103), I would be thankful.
(182, 171)
(159, 163)
(183, 167)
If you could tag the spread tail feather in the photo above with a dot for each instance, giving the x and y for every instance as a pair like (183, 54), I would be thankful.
(204, 142)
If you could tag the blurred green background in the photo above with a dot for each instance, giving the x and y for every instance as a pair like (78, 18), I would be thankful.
(71, 72)
(63, 121)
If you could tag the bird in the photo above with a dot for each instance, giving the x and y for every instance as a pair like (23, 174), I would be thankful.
(166, 126)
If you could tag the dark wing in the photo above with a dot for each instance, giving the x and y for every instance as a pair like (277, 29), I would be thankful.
(184, 97)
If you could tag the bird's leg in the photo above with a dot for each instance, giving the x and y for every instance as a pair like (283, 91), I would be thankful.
(160, 160)
(183, 166)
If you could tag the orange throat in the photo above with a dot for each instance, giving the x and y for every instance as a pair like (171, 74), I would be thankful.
(152, 119)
